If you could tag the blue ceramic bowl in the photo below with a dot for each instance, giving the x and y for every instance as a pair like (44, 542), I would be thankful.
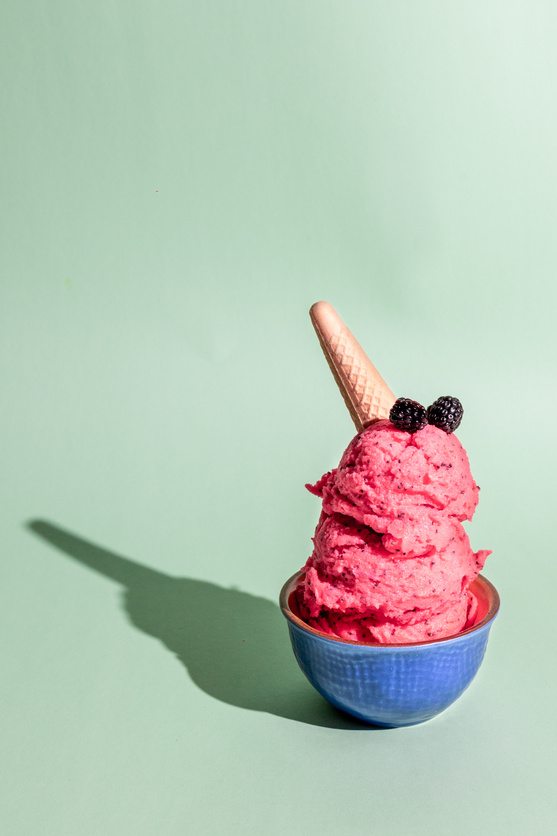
(396, 684)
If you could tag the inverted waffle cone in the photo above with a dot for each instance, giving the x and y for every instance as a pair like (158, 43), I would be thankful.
(365, 393)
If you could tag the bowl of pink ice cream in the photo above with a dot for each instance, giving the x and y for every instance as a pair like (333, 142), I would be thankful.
(389, 617)
(391, 685)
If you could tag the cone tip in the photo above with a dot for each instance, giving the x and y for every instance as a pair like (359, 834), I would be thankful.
(319, 306)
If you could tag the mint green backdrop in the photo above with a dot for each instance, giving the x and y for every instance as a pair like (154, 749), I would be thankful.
(181, 181)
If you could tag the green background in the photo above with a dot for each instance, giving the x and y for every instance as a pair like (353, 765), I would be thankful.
(181, 181)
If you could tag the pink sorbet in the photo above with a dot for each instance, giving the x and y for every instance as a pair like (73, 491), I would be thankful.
(392, 562)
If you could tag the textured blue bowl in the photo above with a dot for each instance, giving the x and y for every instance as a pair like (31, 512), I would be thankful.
(397, 684)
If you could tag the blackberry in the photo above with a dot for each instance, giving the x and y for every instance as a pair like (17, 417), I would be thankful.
(408, 415)
(445, 413)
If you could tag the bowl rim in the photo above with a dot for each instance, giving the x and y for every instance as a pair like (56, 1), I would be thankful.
(480, 581)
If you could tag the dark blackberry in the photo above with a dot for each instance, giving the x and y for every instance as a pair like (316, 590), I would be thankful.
(408, 415)
(445, 413)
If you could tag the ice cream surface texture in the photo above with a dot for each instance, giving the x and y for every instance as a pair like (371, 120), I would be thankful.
(392, 562)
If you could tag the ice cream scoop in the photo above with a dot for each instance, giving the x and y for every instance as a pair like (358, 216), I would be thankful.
(391, 559)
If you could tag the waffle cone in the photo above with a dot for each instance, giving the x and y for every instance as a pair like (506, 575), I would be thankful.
(365, 393)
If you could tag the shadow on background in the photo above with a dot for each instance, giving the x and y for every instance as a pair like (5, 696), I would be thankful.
(234, 645)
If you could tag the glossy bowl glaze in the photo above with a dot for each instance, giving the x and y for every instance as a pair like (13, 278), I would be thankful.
(391, 684)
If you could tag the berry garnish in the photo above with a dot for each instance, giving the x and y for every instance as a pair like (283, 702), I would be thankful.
(445, 413)
(408, 415)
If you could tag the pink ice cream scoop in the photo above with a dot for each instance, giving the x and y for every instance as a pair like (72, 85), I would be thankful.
(391, 562)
